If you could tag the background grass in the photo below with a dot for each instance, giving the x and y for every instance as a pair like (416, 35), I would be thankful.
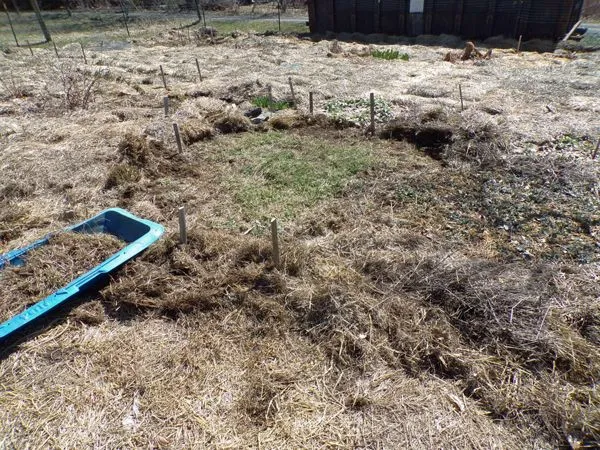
(90, 27)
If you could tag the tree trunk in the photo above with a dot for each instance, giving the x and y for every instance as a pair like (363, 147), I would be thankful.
(38, 14)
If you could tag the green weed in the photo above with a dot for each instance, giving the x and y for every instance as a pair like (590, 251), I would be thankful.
(273, 105)
(389, 55)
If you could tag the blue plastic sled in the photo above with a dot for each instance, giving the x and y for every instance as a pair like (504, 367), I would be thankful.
(138, 233)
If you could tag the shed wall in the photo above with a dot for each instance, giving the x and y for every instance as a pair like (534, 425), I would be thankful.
(547, 19)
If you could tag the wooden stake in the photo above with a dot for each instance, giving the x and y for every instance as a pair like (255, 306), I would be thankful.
(198, 67)
(462, 105)
(166, 105)
(177, 137)
(519, 44)
(275, 243)
(292, 89)
(164, 80)
(11, 24)
(568, 35)
(55, 50)
(83, 51)
(310, 103)
(372, 101)
(30, 49)
(595, 154)
(270, 92)
(182, 226)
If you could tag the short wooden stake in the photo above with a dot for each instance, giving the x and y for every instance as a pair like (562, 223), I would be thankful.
(198, 67)
(164, 80)
(55, 50)
(177, 137)
(166, 104)
(462, 105)
(519, 44)
(372, 102)
(270, 91)
(182, 226)
(275, 243)
(30, 49)
(292, 90)
(11, 24)
(595, 154)
(310, 103)
(83, 52)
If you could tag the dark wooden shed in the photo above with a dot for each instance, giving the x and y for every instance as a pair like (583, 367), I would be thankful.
(476, 19)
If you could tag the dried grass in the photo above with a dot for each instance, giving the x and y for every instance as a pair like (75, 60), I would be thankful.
(390, 323)
(50, 267)
(195, 130)
(231, 122)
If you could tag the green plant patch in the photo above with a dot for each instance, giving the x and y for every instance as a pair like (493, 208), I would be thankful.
(358, 111)
(278, 174)
(273, 105)
(390, 55)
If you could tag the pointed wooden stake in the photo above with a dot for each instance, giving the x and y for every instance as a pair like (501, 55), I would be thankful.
(164, 80)
(292, 90)
(275, 243)
(182, 226)
(177, 137)
(83, 51)
(166, 105)
(372, 102)
(198, 67)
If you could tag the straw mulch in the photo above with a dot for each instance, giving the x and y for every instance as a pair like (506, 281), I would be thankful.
(50, 267)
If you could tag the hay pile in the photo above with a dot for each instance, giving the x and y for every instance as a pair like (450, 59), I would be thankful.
(50, 267)
(502, 333)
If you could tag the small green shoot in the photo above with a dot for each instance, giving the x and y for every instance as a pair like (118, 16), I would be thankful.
(389, 55)
(273, 105)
